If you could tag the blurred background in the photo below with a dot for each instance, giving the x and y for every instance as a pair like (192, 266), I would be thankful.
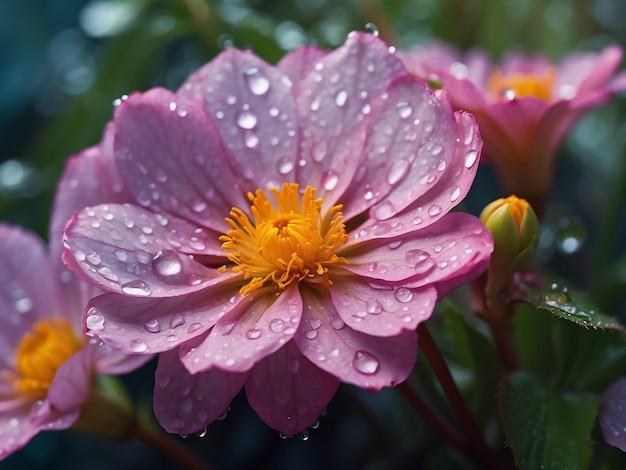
(64, 62)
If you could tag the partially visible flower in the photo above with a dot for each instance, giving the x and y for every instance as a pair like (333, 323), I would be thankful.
(612, 414)
(48, 367)
(515, 229)
(524, 106)
(289, 230)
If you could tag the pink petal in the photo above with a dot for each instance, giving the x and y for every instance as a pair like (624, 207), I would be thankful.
(298, 63)
(370, 362)
(612, 414)
(15, 432)
(411, 138)
(380, 309)
(588, 72)
(152, 325)
(256, 327)
(456, 244)
(451, 188)
(251, 104)
(172, 159)
(72, 382)
(289, 392)
(186, 403)
(27, 290)
(333, 102)
(111, 361)
(127, 249)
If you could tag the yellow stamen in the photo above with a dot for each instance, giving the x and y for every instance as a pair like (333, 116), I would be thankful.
(520, 85)
(39, 355)
(289, 240)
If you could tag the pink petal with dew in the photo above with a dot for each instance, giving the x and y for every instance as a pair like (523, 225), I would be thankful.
(439, 252)
(27, 289)
(380, 309)
(435, 56)
(612, 414)
(333, 101)
(289, 392)
(370, 362)
(15, 432)
(153, 325)
(130, 250)
(256, 327)
(251, 103)
(172, 159)
(186, 403)
(298, 63)
(71, 385)
(453, 185)
(410, 141)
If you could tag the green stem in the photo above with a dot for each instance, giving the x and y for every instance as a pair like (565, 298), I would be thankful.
(466, 422)
(500, 331)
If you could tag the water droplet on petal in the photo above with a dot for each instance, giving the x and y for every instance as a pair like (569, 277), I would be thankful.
(373, 306)
(311, 334)
(330, 178)
(365, 363)
(284, 165)
(372, 29)
(253, 333)
(434, 210)
(336, 322)
(277, 325)
(94, 321)
(138, 346)
(136, 287)
(152, 326)
(247, 120)
(166, 263)
(456, 192)
(403, 295)
(177, 320)
(251, 140)
(470, 158)
(195, 326)
(256, 81)
(341, 97)
(397, 171)
(404, 109)
(319, 150)
(23, 305)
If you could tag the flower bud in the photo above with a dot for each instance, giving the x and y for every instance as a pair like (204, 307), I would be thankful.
(515, 229)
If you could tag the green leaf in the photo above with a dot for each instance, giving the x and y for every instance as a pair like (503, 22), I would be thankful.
(571, 305)
(474, 352)
(545, 427)
(564, 355)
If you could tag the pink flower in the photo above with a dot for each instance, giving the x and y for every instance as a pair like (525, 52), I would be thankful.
(290, 230)
(612, 414)
(48, 364)
(523, 106)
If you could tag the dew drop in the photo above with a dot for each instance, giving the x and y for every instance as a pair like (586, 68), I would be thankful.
(247, 120)
(341, 97)
(284, 165)
(138, 346)
(177, 320)
(456, 192)
(397, 171)
(470, 158)
(404, 109)
(403, 295)
(23, 305)
(195, 326)
(373, 306)
(319, 150)
(152, 326)
(276, 325)
(136, 287)
(434, 210)
(365, 363)
(330, 178)
(311, 334)
(336, 322)
(257, 82)
(166, 263)
(372, 29)
(254, 333)
(94, 320)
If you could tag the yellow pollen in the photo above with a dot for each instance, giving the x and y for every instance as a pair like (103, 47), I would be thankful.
(39, 355)
(520, 85)
(287, 240)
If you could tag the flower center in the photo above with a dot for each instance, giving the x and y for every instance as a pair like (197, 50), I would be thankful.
(519, 85)
(286, 241)
(39, 355)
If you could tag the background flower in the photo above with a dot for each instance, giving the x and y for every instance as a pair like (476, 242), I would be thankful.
(524, 106)
(353, 125)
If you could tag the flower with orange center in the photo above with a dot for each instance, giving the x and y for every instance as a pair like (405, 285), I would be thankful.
(39, 355)
(291, 228)
(288, 241)
(524, 106)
